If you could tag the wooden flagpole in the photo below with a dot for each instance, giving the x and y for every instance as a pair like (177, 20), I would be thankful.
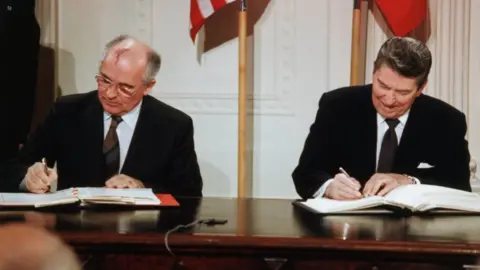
(242, 213)
(242, 101)
(356, 44)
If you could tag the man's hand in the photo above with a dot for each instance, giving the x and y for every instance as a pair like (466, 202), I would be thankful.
(39, 180)
(343, 188)
(123, 181)
(380, 184)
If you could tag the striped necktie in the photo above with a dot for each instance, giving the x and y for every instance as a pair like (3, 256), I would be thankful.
(111, 149)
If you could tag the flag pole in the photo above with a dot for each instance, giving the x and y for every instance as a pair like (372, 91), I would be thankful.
(356, 39)
(242, 101)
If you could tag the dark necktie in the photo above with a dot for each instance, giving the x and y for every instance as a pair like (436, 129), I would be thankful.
(389, 147)
(111, 149)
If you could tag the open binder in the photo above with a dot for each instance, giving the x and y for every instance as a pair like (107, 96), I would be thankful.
(405, 199)
(85, 196)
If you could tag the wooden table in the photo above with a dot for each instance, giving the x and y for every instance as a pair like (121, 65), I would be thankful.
(262, 234)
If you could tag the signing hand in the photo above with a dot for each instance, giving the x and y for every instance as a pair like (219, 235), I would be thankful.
(380, 184)
(343, 188)
(39, 179)
(123, 181)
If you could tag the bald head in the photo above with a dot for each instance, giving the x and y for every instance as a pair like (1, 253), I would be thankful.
(128, 53)
(126, 50)
(25, 247)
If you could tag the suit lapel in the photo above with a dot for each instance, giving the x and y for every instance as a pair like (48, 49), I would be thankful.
(370, 140)
(406, 148)
(364, 137)
(92, 141)
(138, 147)
(371, 144)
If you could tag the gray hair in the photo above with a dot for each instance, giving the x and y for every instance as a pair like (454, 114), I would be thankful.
(407, 56)
(153, 58)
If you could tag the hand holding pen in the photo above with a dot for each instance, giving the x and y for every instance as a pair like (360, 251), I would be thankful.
(45, 169)
(343, 187)
(39, 177)
(353, 179)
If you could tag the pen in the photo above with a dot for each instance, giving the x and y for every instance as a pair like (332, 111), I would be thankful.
(344, 172)
(347, 175)
(45, 168)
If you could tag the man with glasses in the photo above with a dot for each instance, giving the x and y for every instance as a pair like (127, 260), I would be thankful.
(117, 136)
(368, 140)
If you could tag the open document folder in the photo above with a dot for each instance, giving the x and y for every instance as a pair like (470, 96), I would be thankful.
(410, 198)
(140, 196)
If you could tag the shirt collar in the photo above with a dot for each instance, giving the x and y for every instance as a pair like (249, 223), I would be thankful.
(129, 118)
(403, 119)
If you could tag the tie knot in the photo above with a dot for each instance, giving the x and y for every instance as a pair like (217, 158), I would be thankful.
(392, 123)
(115, 121)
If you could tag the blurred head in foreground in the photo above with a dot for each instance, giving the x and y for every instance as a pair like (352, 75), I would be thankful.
(24, 247)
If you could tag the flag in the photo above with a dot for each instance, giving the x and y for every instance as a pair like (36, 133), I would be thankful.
(200, 10)
(403, 16)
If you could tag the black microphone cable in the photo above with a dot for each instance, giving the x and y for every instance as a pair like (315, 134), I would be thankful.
(178, 264)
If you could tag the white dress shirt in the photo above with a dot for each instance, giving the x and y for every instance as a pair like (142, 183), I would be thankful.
(382, 128)
(124, 130)
(124, 133)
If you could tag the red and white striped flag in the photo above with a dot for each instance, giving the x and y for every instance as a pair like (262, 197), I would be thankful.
(200, 10)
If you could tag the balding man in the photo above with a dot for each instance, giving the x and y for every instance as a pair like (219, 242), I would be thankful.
(116, 136)
(25, 247)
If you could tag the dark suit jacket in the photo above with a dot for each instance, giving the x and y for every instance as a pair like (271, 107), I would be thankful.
(344, 134)
(161, 153)
(20, 41)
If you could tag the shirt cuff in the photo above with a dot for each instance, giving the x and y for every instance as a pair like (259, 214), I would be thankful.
(416, 180)
(321, 191)
(23, 185)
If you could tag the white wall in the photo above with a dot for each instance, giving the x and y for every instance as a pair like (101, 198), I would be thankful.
(301, 48)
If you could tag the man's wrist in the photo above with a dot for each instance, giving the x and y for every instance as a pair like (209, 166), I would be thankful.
(23, 187)
(321, 192)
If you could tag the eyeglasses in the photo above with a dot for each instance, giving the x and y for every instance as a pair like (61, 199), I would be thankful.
(105, 84)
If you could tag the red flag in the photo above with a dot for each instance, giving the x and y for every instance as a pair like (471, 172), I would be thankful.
(403, 16)
(200, 10)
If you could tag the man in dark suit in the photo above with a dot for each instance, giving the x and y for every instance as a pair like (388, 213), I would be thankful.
(20, 37)
(385, 134)
(117, 136)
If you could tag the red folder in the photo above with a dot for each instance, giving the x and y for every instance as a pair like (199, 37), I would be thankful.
(167, 200)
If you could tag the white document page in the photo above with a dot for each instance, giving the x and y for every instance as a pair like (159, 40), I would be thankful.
(37, 200)
(324, 205)
(135, 195)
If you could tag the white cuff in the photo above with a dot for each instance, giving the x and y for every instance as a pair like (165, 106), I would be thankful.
(322, 189)
(416, 180)
(23, 185)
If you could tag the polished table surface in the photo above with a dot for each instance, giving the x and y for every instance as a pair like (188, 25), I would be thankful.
(271, 230)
